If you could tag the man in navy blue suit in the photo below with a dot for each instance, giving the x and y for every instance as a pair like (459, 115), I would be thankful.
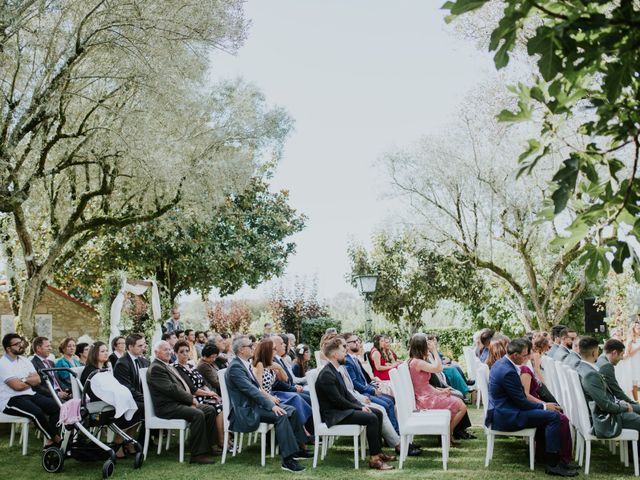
(361, 383)
(509, 409)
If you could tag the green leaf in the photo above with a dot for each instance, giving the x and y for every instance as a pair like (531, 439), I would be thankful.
(619, 74)
(578, 230)
(621, 254)
(463, 6)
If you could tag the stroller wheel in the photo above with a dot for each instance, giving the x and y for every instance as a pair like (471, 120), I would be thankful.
(53, 460)
(108, 468)
(137, 462)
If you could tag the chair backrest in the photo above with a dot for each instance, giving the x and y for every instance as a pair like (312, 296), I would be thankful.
(149, 411)
(565, 387)
(548, 374)
(407, 383)
(582, 417)
(401, 394)
(319, 361)
(76, 385)
(470, 360)
(482, 381)
(312, 376)
(226, 403)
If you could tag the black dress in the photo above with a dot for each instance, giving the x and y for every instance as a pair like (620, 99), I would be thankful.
(195, 380)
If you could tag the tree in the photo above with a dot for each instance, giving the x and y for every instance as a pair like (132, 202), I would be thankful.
(465, 198)
(412, 278)
(227, 317)
(242, 241)
(587, 66)
(105, 123)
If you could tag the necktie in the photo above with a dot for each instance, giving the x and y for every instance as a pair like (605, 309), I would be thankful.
(136, 362)
(48, 364)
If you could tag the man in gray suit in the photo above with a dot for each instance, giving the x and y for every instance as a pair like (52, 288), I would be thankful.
(250, 406)
(172, 398)
(608, 414)
(555, 339)
(573, 359)
(613, 353)
(566, 342)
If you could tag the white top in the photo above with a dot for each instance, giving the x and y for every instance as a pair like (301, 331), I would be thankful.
(18, 368)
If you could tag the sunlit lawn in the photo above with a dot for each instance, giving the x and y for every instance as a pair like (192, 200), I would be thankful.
(510, 462)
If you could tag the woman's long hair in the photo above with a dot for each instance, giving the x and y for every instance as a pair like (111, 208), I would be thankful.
(92, 356)
(418, 347)
(263, 353)
(497, 350)
(301, 351)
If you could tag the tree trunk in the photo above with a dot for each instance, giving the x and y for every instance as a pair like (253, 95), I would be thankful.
(31, 296)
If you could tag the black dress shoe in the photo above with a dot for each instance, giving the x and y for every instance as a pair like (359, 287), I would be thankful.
(302, 455)
(560, 471)
(202, 460)
(471, 382)
(414, 452)
(292, 466)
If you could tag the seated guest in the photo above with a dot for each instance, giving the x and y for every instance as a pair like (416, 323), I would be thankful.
(301, 360)
(338, 406)
(509, 410)
(68, 360)
(555, 339)
(540, 347)
(172, 399)
(360, 381)
(171, 339)
(97, 359)
(201, 340)
(531, 390)
(428, 397)
(453, 375)
(612, 355)
(485, 339)
(208, 368)
(82, 351)
(286, 384)
(17, 396)
(190, 336)
(202, 392)
(118, 347)
(250, 406)
(42, 349)
(497, 349)
(382, 358)
(267, 373)
(566, 343)
(291, 353)
(128, 367)
(573, 359)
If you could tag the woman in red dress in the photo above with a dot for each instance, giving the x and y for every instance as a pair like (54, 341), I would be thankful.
(382, 357)
(427, 396)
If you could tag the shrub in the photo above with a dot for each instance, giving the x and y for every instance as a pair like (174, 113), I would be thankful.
(312, 330)
(451, 340)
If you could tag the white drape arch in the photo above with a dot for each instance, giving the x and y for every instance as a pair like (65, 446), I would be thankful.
(118, 302)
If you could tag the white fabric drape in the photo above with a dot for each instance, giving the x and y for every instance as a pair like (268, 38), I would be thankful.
(118, 302)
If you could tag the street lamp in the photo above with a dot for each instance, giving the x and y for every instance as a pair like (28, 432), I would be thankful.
(367, 286)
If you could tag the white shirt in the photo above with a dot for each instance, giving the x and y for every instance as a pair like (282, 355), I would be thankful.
(18, 368)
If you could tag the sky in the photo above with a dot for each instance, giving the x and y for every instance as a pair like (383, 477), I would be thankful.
(359, 77)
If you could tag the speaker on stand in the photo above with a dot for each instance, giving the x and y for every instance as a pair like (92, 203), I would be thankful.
(594, 314)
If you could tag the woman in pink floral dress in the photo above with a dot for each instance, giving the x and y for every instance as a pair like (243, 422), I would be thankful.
(427, 396)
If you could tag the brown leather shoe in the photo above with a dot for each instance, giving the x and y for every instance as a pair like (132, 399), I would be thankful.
(386, 458)
(202, 460)
(377, 464)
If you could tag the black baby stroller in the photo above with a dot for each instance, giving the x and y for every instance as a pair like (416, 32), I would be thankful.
(78, 441)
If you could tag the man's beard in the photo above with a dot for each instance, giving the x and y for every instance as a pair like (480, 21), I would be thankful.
(340, 361)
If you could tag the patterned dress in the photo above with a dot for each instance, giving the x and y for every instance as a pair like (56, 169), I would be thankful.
(198, 381)
(287, 398)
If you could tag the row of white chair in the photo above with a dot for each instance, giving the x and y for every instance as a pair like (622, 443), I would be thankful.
(473, 364)
(564, 383)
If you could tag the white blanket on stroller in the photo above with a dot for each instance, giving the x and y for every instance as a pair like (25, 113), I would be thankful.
(105, 386)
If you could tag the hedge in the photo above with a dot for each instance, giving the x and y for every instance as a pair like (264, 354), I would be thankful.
(451, 340)
(312, 330)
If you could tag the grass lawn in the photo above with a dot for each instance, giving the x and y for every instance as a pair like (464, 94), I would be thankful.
(510, 462)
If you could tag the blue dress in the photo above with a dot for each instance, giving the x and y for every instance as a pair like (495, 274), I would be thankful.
(64, 377)
(455, 380)
(287, 398)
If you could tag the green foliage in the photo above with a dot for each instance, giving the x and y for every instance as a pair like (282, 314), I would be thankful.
(451, 340)
(412, 278)
(312, 330)
(291, 309)
(242, 241)
(588, 64)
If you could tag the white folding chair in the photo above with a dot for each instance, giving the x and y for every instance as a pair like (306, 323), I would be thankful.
(584, 428)
(435, 422)
(151, 421)
(319, 361)
(321, 430)
(263, 429)
(528, 433)
(24, 434)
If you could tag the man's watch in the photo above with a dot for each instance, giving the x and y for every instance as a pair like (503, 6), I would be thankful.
(23, 379)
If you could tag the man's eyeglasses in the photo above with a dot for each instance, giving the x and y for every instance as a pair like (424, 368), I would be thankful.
(183, 351)
(248, 345)
(353, 341)
(15, 344)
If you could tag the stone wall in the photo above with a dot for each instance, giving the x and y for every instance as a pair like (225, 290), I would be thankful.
(69, 316)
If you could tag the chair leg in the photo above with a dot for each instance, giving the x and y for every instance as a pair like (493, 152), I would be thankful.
(182, 432)
(273, 442)
(263, 448)
(168, 439)
(241, 442)
(12, 435)
(532, 453)
(625, 452)
(587, 460)
(325, 439)
(445, 450)
(25, 438)
(225, 447)
(634, 447)
(235, 444)
(363, 445)
(403, 439)
(145, 448)
(160, 441)
(489, 454)
(315, 451)
(356, 439)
